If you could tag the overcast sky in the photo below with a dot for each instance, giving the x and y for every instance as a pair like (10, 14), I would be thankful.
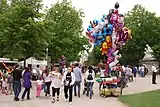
(94, 9)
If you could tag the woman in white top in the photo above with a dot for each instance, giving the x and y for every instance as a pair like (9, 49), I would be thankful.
(89, 77)
(47, 80)
(56, 83)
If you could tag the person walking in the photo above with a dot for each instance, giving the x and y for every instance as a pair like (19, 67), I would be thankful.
(154, 74)
(56, 78)
(9, 83)
(27, 83)
(135, 71)
(128, 72)
(17, 82)
(78, 75)
(47, 80)
(39, 87)
(68, 81)
(90, 76)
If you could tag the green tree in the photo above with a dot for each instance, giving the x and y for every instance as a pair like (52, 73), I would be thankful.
(95, 56)
(23, 32)
(156, 51)
(145, 28)
(3, 9)
(65, 29)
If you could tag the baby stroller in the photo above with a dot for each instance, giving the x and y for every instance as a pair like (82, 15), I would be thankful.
(85, 88)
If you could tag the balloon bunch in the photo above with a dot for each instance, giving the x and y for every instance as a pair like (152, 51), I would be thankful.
(110, 33)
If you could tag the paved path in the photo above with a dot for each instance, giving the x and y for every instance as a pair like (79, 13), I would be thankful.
(139, 85)
(142, 85)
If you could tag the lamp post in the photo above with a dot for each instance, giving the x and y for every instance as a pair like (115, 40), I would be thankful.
(47, 56)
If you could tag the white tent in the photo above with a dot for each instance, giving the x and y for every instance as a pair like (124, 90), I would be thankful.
(32, 61)
(7, 60)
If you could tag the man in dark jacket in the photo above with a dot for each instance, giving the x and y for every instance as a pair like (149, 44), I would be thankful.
(17, 75)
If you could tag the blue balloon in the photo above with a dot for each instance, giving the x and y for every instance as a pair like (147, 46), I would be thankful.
(89, 29)
(110, 33)
(102, 19)
(110, 26)
(105, 30)
(105, 34)
(95, 22)
(100, 34)
(95, 35)
(103, 39)
(90, 26)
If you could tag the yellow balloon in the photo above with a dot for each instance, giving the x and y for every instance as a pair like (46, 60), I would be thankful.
(108, 38)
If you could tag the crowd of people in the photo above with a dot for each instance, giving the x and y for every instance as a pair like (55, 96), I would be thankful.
(70, 78)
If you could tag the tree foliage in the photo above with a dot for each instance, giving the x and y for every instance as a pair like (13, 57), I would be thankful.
(21, 34)
(145, 28)
(156, 51)
(65, 29)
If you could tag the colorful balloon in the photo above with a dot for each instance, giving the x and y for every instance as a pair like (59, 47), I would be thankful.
(110, 33)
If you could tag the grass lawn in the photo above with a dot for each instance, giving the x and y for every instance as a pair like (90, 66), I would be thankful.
(146, 99)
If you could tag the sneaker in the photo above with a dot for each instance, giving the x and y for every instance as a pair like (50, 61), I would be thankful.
(17, 99)
(70, 103)
(57, 98)
(53, 100)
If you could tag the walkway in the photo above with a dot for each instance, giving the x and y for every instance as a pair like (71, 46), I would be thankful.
(139, 85)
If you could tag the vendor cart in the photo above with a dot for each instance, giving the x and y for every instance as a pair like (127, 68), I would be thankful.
(109, 87)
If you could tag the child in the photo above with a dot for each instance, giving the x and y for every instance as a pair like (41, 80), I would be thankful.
(4, 85)
(39, 84)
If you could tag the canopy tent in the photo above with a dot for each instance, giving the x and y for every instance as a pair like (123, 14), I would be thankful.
(32, 61)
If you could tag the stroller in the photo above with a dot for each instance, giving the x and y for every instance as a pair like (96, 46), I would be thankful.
(85, 88)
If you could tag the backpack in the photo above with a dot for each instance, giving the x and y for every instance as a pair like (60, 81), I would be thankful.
(90, 77)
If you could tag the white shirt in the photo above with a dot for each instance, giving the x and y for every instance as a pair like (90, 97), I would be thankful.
(47, 78)
(64, 70)
(154, 69)
(40, 72)
(73, 78)
(87, 74)
(128, 71)
(142, 69)
(34, 71)
(39, 82)
(56, 81)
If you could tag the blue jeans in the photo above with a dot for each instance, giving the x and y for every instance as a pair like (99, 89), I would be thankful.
(16, 88)
(90, 89)
(142, 74)
(75, 88)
